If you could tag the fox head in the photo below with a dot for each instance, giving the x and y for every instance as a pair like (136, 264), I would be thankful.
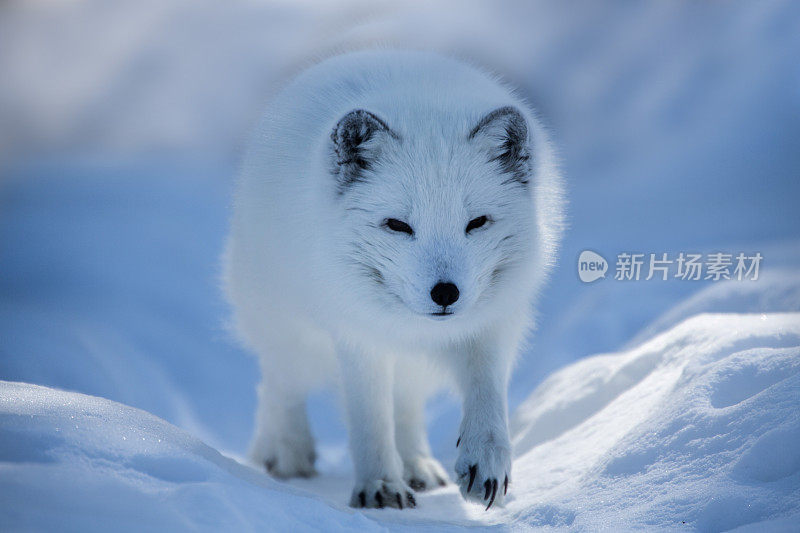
(438, 216)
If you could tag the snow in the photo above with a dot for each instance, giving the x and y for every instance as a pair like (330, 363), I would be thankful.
(698, 427)
(677, 124)
(82, 463)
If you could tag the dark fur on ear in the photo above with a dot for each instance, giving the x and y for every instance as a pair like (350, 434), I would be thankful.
(354, 146)
(505, 133)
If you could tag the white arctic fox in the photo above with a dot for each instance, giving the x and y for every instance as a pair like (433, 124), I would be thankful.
(395, 215)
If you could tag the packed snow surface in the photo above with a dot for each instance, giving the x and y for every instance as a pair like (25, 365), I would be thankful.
(697, 427)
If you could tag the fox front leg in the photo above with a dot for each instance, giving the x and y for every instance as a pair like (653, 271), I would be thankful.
(483, 467)
(367, 384)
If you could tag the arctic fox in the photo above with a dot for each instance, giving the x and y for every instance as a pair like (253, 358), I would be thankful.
(395, 215)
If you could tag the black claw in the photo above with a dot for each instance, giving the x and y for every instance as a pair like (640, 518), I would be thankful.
(379, 499)
(488, 486)
(458, 442)
(270, 464)
(472, 470)
(505, 486)
(442, 483)
(494, 493)
(411, 501)
(417, 484)
(362, 499)
(399, 500)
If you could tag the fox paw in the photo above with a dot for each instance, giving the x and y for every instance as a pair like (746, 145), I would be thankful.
(424, 473)
(380, 493)
(284, 461)
(483, 468)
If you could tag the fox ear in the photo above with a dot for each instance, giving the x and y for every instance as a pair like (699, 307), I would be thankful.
(357, 141)
(503, 133)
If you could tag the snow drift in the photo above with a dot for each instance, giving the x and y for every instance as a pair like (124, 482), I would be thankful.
(697, 427)
(81, 463)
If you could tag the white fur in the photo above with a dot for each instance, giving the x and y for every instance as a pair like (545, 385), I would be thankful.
(301, 262)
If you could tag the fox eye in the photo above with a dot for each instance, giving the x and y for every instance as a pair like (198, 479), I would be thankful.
(476, 223)
(398, 226)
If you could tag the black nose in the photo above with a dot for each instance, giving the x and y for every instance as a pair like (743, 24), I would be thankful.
(444, 294)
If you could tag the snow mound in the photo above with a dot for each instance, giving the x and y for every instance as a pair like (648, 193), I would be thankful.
(697, 427)
(778, 290)
(80, 463)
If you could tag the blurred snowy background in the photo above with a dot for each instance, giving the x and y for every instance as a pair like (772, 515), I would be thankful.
(121, 123)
